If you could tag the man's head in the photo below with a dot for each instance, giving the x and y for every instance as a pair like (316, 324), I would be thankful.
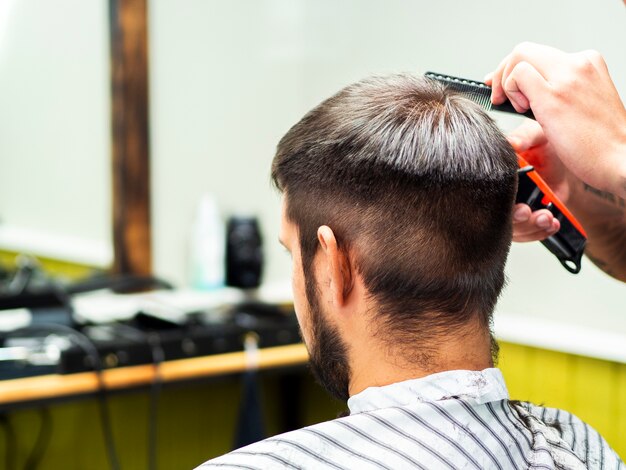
(399, 191)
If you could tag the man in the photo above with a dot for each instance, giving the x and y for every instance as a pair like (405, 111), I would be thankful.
(397, 211)
(579, 145)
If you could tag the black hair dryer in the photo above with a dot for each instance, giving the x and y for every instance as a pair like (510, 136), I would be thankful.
(244, 252)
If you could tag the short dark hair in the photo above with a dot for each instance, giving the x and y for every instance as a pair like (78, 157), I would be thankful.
(418, 185)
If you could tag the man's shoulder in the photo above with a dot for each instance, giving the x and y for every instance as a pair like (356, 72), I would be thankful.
(399, 438)
(309, 447)
(574, 434)
(562, 421)
(553, 417)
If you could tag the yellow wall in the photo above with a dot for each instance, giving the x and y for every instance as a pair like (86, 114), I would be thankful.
(60, 269)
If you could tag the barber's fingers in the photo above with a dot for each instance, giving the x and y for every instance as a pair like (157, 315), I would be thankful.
(544, 60)
(523, 84)
(602, 74)
(527, 136)
(521, 214)
(532, 236)
(596, 59)
(541, 219)
(531, 226)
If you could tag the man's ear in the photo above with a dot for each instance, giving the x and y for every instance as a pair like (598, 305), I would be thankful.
(337, 264)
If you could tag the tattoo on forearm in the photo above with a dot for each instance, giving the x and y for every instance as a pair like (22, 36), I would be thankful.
(609, 197)
(606, 246)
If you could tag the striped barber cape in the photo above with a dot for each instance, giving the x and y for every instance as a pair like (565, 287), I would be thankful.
(449, 420)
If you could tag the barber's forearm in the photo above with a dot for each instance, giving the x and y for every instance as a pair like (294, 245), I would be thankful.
(603, 215)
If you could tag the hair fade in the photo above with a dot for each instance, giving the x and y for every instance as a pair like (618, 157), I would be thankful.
(417, 184)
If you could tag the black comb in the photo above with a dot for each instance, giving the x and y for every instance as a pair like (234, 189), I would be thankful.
(477, 92)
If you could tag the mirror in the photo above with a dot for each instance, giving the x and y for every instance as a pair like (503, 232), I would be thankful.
(55, 132)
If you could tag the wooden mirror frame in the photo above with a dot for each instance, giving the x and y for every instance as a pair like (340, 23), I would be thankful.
(130, 137)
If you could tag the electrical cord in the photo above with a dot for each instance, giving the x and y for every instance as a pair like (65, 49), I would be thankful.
(63, 293)
(42, 442)
(158, 356)
(96, 363)
(9, 441)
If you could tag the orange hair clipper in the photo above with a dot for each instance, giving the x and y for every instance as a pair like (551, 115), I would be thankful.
(568, 244)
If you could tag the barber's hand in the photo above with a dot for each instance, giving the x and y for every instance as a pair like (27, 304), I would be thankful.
(530, 142)
(576, 103)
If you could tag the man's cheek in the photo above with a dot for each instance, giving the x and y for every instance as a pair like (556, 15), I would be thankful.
(303, 319)
(299, 303)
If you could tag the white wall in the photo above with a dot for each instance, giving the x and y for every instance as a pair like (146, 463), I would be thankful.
(230, 77)
(55, 184)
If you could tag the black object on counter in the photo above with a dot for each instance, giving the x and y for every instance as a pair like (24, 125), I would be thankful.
(244, 253)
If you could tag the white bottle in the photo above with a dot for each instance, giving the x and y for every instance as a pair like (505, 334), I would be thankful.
(207, 260)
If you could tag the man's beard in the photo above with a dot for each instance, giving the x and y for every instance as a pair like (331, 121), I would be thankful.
(328, 355)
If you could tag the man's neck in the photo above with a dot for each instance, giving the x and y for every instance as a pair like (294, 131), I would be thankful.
(375, 364)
